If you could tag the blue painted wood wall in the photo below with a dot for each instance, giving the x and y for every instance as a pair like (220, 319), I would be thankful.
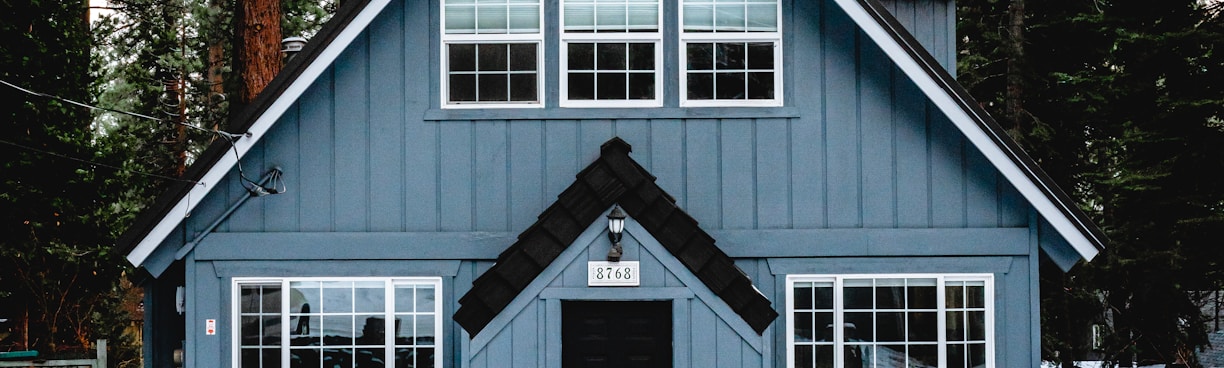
(857, 165)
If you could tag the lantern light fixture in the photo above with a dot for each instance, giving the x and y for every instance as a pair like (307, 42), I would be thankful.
(616, 226)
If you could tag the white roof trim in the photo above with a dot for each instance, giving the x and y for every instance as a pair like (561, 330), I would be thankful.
(261, 126)
(967, 125)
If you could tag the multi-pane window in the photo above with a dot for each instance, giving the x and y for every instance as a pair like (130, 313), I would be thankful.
(889, 321)
(611, 53)
(491, 52)
(730, 53)
(328, 323)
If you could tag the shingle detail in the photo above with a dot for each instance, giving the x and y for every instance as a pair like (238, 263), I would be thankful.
(613, 178)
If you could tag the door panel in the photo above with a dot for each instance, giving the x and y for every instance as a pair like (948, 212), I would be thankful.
(599, 334)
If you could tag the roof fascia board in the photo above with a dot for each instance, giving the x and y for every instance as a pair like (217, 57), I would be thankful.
(215, 173)
(1024, 179)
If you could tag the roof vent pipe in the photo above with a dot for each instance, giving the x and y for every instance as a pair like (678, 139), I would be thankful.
(290, 46)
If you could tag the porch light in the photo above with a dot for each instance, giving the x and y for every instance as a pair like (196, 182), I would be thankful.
(616, 225)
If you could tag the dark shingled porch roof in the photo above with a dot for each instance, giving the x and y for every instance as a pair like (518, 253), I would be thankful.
(613, 178)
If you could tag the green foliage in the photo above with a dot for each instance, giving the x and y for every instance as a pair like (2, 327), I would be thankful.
(62, 205)
(56, 267)
(1127, 96)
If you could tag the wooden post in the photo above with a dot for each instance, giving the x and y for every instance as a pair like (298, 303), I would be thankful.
(101, 362)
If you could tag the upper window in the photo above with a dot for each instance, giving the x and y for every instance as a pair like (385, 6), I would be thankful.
(325, 323)
(890, 321)
(731, 53)
(611, 53)
(491, 53)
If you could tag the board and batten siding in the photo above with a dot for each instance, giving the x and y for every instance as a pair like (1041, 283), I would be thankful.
(856, 147)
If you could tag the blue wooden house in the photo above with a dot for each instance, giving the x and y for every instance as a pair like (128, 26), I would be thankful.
(430, 184)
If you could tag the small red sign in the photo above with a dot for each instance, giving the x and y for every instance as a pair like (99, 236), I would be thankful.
(210, 327)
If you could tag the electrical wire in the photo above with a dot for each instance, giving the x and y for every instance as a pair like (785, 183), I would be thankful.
(251, 186)
(143, 116)
(94, 163)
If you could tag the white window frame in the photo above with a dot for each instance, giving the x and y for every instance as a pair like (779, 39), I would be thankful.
(536, 38)
(839, 311)
(655, 37)
(389, 284)
(730, 37)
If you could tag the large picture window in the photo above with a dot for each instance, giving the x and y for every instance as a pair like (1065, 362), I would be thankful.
(611, 53)
(890, 321)
(731, 53)
(340, 322)
(491, 53)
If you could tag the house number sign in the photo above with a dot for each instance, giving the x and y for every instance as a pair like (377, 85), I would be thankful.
(623, 273)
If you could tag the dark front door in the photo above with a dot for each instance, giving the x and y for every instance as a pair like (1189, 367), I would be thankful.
(600, 334)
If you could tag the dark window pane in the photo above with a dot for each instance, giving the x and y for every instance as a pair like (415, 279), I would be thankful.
(955, 296)
(491, 57)
(822, 298)
(271, 358)
(582, 56)
(760, 55)
(249, 299)
(372, 330)
(890, 326)
(804, 327)
(641, 56)
(918, 297)
(956, 356)
(249, 358)
(370, 358)
(858, 297)
(822, 324)
(730, 86)
(641, 86)
(824, 356)
(462, 87)
(303, 358)
(977, 326)
(700, 56)
(492, 87)
(803, 296)
(610, 56)
(760, 86)
(859, 356)
(523, 56)
(250, 331)
(975, 297)
(730, 56)
(271, 330)
(977, 355)
(923, 326)
(956, 326)
(425, 358)
(462, 58)
(523, 87)
(890, 297)
(581, 86)
(700, 86)
(610, 86)
(924, 355)
(342, 358)
(804, 355)
(859, 326)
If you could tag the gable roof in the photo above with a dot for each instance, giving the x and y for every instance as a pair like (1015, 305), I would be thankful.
(155, 223)
(614, 178)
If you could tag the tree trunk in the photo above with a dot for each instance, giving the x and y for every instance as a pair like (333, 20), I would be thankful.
(1014, 97)
(258, 47)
